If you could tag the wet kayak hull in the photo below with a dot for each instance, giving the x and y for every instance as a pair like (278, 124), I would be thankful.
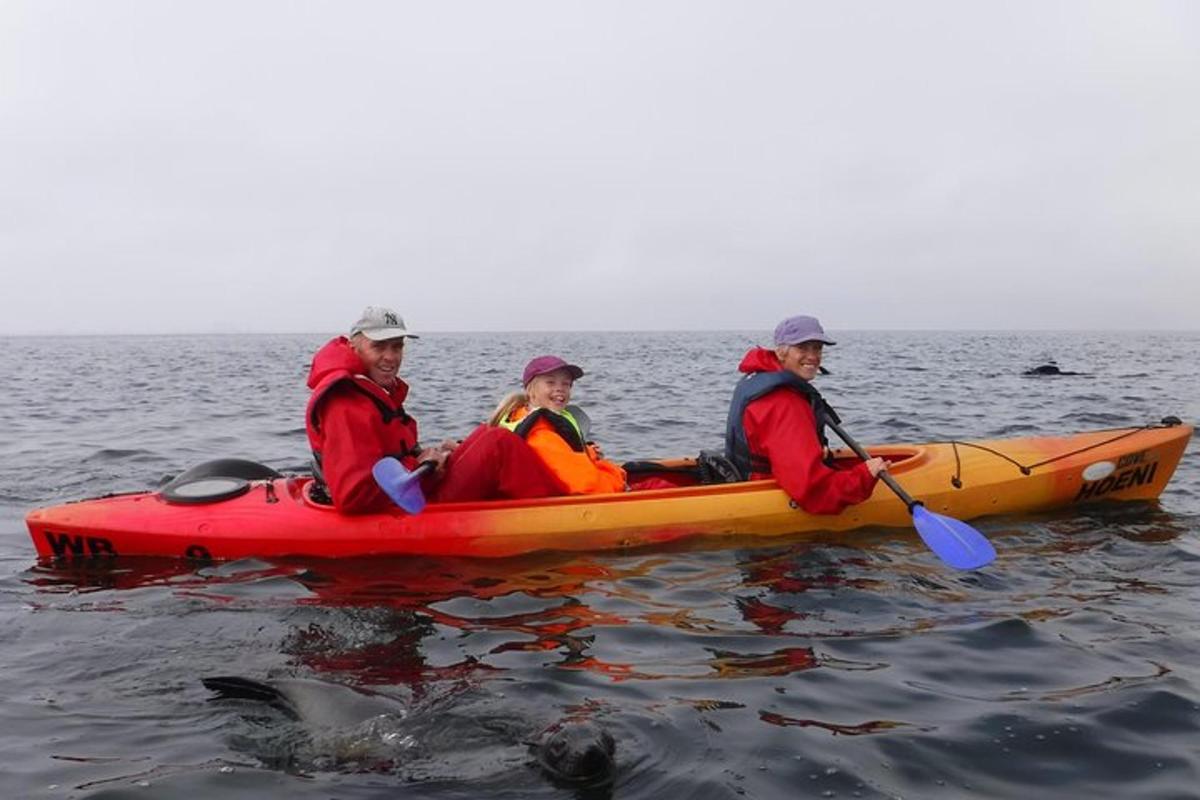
(277, 516)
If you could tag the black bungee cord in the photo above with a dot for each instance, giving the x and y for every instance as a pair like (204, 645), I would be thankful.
(1027, 469)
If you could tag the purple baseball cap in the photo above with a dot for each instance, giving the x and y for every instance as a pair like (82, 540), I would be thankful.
(544, 364)
(800, 329)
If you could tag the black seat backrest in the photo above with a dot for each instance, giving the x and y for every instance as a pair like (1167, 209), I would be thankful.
(716, 468)
(711, 467)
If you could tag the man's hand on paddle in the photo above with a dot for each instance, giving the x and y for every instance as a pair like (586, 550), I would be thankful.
(437, 454)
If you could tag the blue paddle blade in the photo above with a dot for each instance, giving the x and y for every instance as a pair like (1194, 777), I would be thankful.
(400, 484)
(954, 541)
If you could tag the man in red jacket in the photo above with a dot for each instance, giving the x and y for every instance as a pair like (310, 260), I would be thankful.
(356, 416)
(776, 425)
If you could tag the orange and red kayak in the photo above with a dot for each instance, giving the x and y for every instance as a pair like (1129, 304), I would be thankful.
(278, 516)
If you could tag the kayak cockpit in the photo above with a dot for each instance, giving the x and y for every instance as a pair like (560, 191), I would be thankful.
(666, 475)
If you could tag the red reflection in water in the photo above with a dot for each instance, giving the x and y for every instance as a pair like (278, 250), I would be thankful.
(101, 574)
(398, 660)
(375, 619)
(780, 662)
(766, 617)
(723, 664)
(863, 728)
(788, 573)
(417, 583)
(416, 591)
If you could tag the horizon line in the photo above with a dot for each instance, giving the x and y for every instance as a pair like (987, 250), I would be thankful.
(536, 331)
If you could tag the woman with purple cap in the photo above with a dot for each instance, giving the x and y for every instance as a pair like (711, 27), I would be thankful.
(554, 430)
(776, 426)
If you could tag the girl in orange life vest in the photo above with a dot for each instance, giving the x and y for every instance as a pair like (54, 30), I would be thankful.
(540, 415)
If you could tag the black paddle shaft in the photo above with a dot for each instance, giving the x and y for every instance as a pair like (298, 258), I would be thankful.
(883, 475)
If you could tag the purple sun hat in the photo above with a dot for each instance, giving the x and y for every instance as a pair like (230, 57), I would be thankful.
(544, 364)
(800, 329)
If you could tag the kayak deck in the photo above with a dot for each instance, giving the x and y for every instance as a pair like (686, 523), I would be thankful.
(278, 516)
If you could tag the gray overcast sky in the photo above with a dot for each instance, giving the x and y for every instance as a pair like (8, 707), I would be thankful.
(275, 166)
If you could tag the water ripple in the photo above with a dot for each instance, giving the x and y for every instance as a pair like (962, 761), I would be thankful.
(827, 665)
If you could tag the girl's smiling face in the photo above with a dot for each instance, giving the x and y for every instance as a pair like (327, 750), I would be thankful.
(552, 390)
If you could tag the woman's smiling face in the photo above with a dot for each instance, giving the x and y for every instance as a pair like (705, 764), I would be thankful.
(803, 360)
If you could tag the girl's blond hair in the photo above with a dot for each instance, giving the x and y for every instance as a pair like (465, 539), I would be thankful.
(509, 404)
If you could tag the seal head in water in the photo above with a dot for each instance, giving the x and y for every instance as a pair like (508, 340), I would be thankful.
(577, 752)
(1049, 369)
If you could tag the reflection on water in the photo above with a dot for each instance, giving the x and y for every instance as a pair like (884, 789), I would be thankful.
(840, 643)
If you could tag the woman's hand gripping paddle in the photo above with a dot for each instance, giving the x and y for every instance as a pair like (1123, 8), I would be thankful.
(952, 540)
(400, 484)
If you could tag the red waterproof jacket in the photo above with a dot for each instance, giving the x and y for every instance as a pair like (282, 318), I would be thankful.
(781, 427)
(352, 422)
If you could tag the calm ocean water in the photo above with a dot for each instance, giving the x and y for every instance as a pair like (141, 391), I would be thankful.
(852, 666)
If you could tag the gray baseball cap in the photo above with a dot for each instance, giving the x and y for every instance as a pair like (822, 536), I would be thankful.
(379, 323)
(800, 329)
